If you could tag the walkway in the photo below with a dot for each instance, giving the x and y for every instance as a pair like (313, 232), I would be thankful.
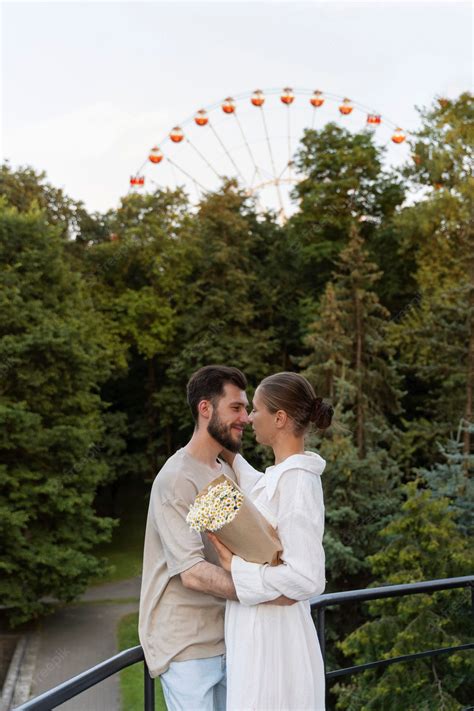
(80, 635)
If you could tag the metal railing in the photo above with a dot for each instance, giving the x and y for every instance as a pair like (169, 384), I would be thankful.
(430, 586)
(54, 697)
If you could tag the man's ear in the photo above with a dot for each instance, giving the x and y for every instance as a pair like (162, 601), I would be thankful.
(205, 409)
(281, 418)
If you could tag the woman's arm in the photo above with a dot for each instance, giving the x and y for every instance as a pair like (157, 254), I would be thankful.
(300, 527)
(247, 476)
(225, 557)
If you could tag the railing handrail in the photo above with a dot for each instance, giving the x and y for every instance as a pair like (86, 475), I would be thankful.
(390, 591)
(320, 603)
(83, 681)
(77, 684)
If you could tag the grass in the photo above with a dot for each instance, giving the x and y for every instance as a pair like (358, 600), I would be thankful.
(125, 551)
(131, 679)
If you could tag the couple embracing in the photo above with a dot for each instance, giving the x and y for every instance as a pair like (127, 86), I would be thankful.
(222, 632)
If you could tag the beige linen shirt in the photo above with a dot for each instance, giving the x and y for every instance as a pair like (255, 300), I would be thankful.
(176, 623)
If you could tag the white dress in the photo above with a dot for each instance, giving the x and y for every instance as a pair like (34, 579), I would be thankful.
(274, 660)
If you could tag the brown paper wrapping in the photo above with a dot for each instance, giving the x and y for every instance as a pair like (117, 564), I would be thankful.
(249, 535)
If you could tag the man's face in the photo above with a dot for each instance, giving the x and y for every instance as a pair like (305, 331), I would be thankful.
(229, 417)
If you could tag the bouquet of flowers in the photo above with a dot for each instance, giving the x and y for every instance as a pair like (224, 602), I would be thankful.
(213, 509)
(223, 509)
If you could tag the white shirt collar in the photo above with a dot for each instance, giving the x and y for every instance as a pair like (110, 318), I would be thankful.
(309, 461)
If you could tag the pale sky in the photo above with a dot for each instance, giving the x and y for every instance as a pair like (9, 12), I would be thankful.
(89, 87)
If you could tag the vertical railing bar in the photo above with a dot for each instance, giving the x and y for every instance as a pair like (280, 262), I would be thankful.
(320, 627)
(149, 689)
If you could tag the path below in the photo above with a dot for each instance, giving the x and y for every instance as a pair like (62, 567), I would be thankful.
(79, 636)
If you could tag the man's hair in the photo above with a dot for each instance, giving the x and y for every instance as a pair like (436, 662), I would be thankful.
(208, 384)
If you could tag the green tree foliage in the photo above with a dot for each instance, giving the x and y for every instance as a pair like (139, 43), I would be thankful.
(435, 337)
(24, 189)
(422, 542)
(226, 314)
(350, 363)
(448, 479)
(350, 360)
(138, 278)
(104, 317)
(344, 182)
(53, 357)
(361, 496)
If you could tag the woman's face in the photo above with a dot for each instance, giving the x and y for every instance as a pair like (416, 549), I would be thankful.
(263, 422)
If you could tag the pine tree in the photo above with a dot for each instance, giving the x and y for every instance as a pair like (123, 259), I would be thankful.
(54, 356)
(350, 359)
(350, 363)
(362, 496)
(227, 311)
(421, 543)
(448, 479)
(330, 345)
(435, 337)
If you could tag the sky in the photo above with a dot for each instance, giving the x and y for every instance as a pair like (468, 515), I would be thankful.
(88, 87)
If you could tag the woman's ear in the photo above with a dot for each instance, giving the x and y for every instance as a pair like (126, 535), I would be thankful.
(281, 419)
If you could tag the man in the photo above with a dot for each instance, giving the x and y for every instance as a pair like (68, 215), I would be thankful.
(184, 589)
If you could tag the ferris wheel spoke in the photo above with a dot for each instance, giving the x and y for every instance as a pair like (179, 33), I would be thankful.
(280, 200)
(156, 184)
(236, 168)
(288, 130)
(249, 150)
(263, 165)
(175, 175)
(259, 174)
(280, 177)
(181, 170)
(198, 191)
(203, 157)
(254, 174)
(266, 173)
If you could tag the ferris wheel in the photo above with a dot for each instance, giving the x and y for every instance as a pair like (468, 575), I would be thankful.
(253, 137)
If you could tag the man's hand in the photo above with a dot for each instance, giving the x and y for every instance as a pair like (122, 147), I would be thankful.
(282, 601)
(225, 559)
(225, 555)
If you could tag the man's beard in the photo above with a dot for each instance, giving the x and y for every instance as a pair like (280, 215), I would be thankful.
(221, 433)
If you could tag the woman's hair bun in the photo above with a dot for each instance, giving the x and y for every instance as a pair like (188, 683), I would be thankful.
(322, 413)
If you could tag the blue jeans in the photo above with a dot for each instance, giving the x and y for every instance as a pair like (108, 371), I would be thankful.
(195, 685)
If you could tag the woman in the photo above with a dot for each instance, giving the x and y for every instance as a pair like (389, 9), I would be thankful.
(274, 661)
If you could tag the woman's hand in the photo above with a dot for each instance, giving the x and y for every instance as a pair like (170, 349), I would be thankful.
(227, 456)
(225, 555)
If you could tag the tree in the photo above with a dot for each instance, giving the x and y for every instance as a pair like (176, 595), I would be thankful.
(137, 277)
(24, 189)
(350, 360)
(226, 313)
(54, 356)
(362, 496)
(343, 182)
(350, 363)
(435, 339)
(422, 542)
(448, 479)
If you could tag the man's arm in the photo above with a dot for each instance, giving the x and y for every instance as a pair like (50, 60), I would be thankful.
(213, 580)
(210, 579)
